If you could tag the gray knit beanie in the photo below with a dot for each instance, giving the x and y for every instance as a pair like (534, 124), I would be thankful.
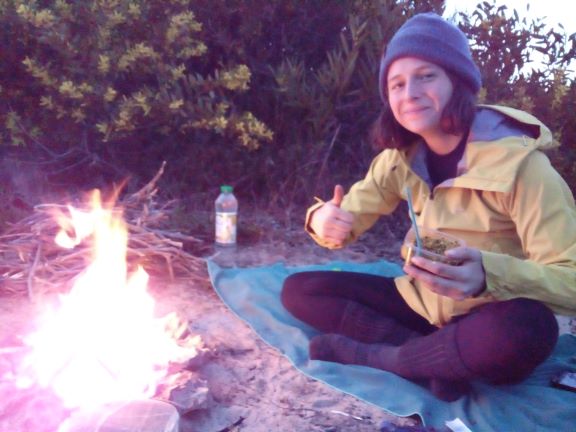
(429, 37)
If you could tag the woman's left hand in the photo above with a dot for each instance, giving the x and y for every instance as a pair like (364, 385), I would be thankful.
(458, 282)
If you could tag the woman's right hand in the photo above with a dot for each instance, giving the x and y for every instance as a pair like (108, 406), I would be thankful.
(330, 222)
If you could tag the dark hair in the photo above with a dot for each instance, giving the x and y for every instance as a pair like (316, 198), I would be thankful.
(457, 117)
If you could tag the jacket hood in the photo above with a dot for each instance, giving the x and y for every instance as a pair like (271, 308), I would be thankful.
(497, 122)
(500, 139)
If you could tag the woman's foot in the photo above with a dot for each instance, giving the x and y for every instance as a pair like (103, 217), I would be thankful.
(340, 349)
(332, 347)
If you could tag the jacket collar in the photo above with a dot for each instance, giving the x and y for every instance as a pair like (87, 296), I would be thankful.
(499, 141)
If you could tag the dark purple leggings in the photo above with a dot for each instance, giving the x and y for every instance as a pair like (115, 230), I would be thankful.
(501, 342)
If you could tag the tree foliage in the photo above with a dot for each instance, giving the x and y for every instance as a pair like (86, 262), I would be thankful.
(273, 96)
(101, 74)
(527, 64)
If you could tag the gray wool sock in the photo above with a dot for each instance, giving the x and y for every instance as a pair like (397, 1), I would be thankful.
(434, 356)
(366, 325)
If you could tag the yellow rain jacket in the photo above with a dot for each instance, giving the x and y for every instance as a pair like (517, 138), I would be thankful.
(506, 200)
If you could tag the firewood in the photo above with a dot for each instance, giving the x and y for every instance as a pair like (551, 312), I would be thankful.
(33, 264)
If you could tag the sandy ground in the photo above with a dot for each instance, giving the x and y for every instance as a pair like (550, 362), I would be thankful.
(251, 387)
(252, 384)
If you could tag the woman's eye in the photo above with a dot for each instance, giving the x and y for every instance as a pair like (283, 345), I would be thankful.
(427, 76)
(395, 86)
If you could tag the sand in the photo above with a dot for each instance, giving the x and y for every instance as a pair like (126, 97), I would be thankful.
(251, 386)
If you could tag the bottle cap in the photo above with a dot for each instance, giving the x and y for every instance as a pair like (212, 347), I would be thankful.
(226, 188)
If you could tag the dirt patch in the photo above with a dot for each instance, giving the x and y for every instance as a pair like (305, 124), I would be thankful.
(252, 387)
(252, 382)
(255, 387)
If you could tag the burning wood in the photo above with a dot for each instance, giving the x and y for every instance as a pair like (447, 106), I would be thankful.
(99, 342)
(33, 264)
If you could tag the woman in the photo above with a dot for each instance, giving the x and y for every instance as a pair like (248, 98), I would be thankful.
(475, 172)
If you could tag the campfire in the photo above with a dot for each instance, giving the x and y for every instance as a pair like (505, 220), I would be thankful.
(98, 343)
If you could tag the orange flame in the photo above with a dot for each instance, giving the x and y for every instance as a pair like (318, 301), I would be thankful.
(102, 344)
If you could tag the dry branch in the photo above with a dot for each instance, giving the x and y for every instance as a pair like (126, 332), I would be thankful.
(31, 262)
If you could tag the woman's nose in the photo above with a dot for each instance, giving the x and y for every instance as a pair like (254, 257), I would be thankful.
(412, 89)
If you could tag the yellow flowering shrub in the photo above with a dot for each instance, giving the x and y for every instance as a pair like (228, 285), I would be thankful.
(118, 70)
(242, 90)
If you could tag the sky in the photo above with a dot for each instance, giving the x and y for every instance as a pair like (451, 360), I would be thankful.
(554, 11)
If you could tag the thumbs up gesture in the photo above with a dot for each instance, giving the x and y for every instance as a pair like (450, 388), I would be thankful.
(330, 222)
(338, 195)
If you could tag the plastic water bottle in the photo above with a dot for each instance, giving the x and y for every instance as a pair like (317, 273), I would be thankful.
(226, 217)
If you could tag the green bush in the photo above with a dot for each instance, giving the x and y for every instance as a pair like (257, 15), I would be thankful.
(315, 66)
(112, 75)
(273, 96)
(120, 84)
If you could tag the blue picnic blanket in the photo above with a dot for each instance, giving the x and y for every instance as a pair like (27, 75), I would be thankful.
(254, 295)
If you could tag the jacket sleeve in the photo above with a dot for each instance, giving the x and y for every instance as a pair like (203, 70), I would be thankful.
(368, 199)
(542, 207)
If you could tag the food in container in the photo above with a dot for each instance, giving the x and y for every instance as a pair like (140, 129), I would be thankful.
(434, 244)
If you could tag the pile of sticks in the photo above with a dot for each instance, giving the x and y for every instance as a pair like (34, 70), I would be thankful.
(32, 264)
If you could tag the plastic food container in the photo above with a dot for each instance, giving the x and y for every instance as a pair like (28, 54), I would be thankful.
(434, 244)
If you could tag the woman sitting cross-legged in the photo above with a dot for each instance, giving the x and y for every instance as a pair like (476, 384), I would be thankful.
(475, 172)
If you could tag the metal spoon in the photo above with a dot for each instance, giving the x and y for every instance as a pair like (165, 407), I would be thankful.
(413, 218)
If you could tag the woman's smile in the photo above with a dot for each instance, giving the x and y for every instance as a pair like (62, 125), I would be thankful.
(414, 111)
(418, 91)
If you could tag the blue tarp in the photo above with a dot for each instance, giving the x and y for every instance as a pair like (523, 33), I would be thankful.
(254, 295)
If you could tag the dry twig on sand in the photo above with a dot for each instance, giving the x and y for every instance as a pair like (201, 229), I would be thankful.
(31, 262)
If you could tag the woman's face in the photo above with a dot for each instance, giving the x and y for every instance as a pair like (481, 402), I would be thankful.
(418, 91)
